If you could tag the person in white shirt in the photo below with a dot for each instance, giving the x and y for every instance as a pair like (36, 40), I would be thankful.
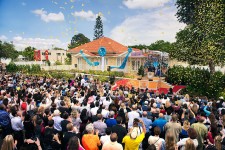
(156, 140)
(83, 81)
(106, 138)
(112, 144)
(131, 115)
(105, 112)
(94, 110)
(107, 102)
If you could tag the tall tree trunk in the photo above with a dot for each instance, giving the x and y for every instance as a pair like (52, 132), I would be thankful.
(211, 67)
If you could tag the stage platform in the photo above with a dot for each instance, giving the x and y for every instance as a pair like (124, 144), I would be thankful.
(157, 84)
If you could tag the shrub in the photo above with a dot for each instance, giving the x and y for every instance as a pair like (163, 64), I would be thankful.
(58, 63)
(11, 67)
(198, 81)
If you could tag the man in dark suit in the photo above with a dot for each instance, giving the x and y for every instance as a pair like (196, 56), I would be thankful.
(67, 135)
(119, 130)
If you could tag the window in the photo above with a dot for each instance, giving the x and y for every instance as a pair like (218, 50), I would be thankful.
(118, 61)
(63, 53)
(58, 54)
(135, 64)
(43, 53)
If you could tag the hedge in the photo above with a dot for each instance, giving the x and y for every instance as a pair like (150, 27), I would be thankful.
(12, 67)
(198, 81)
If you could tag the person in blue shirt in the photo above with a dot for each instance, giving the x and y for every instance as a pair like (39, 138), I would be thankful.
(111, 121)
(160, 122)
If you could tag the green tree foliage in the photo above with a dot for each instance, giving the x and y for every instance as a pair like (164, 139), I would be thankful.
(12, 67)
(141, 71)
(98, 30)
(57, 48)
(68, 59)
(78, 40)
(29, 53)
(7, 50)
(161, 45)
(202, 41)
(198, 81)
(185, 10)
(140, 46)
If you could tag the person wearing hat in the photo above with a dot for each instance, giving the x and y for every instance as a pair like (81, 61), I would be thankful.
(133, 140)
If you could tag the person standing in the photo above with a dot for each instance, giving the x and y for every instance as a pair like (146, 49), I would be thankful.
(201, 130)
(119, 130)
(90, 141)
(174, 127)
(132, 140)
(112, 144)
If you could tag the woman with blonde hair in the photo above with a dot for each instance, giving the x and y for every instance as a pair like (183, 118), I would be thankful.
(8, 143)
(189, 145)
(76, 119)
(170, 142)
(218, 140)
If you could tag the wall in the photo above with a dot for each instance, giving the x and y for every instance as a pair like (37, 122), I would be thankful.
(54, 56)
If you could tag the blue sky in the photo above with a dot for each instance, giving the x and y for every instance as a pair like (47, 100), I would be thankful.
(43, 23)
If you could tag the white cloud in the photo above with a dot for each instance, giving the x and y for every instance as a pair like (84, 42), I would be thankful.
(39, 43)
(144, 4)
(87, 15)
(148, 27)
(17, 38)
(3, 38)
(47, 17)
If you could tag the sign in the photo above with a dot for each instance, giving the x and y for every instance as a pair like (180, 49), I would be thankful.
(37, 55)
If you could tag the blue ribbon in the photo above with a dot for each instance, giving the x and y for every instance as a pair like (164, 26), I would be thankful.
(88, 61)
(124, 61)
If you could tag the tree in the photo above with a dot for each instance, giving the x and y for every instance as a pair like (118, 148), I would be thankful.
(29, 53)
(141, 71)
(202, 41)
(57, 48)
(98, 30)
(161, 45)
(7, 50)
(78, 40)
(140, 46)
(185, 10)
(68, 59)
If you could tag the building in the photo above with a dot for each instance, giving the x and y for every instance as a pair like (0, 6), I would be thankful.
(51, 55)
(115, 55)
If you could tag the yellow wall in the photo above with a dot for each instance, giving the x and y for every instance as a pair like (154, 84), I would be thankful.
(112, 61)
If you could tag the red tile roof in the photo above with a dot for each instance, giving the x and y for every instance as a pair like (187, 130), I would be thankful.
(112, 47)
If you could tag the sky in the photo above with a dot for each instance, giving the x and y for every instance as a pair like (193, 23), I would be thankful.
(44, 24)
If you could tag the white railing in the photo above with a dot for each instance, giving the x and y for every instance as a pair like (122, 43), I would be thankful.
(29, 63)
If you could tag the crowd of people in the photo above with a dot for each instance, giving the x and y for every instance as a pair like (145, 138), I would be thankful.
(84, 114)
